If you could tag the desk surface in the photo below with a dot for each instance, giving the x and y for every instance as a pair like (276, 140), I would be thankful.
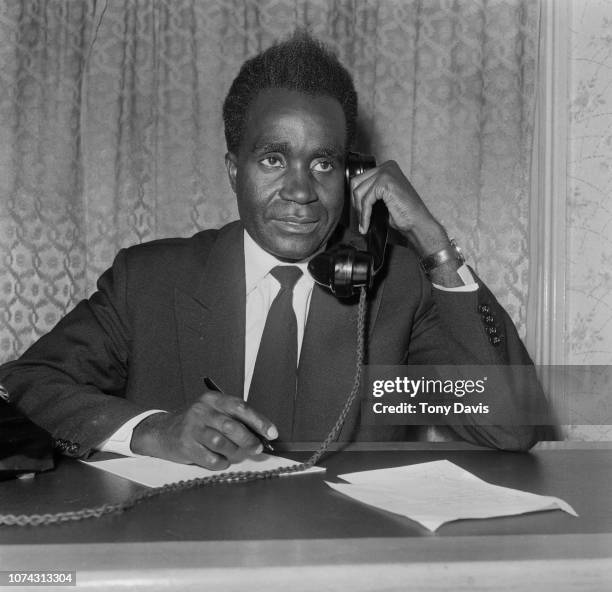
(299, 525)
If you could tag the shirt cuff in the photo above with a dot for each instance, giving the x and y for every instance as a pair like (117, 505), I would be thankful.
(119, 441)
(467, 278)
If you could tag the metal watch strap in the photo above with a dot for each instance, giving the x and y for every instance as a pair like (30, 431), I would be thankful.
(442, 256)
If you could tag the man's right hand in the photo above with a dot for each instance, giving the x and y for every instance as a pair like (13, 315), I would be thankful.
(214, 432)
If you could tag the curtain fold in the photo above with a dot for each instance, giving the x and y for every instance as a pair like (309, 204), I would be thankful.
(111, 131)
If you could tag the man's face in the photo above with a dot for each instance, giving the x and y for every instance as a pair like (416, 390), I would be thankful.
(288, 174)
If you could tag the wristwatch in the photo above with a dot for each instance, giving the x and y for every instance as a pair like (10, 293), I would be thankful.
(436, 259)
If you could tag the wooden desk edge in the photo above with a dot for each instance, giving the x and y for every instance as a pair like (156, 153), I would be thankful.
(562, 562)
(299, 552)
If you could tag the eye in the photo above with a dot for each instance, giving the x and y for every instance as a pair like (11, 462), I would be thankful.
(323, 166)
(272, 162)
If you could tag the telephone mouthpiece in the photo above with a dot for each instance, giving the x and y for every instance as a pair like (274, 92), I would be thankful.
(343, 271)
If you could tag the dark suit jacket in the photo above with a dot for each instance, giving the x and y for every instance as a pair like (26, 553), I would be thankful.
(170, 312)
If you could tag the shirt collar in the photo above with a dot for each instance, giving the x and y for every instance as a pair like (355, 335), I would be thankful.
(258, 263)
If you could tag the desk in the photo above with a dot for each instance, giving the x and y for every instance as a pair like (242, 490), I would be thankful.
(297, 534)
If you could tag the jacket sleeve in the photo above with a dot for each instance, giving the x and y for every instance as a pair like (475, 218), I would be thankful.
(473, 329)
(72, 381)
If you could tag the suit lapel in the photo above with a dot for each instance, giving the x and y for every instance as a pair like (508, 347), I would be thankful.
(210, 319)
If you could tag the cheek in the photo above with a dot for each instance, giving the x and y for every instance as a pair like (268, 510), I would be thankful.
(249, 195)
(334, 199)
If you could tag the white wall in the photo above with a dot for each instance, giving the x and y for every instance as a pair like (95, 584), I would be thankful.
(588, 270)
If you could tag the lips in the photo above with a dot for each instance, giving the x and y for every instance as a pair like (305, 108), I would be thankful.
(297, 219)
(296, 224)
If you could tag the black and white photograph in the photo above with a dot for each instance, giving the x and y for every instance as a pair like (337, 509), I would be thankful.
(306, 295)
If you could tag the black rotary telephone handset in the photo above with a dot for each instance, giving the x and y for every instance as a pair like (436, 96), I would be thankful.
(344, 269)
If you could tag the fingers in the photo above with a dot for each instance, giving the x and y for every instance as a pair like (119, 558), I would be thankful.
(387, 182)
(177, 437)
(213, 432)
(360, 185)
(236, 408)
(366, 189)
(219, 429)
(199, 454)
(371, 195)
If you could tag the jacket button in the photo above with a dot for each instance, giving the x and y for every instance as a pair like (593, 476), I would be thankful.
(484, 309)
(488, 319)
(491, 330)
(60, 444)
(495, 340)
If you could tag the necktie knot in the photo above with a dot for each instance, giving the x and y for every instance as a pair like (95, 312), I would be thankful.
(287, 275)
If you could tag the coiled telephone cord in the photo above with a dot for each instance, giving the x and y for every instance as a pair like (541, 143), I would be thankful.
(231, 477)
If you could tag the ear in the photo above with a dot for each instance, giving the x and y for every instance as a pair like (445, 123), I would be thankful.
(231, 164)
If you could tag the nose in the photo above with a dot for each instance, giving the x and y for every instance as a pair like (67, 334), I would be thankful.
(297, 185)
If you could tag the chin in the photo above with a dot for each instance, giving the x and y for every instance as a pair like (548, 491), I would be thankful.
(294, 251)
(293, 257)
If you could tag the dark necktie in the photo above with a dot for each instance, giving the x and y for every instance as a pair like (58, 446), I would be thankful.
(273, 387)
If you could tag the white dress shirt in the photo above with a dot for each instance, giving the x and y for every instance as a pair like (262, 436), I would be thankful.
(261, 289)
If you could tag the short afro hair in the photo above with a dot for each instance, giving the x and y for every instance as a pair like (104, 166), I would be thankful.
(302, 64)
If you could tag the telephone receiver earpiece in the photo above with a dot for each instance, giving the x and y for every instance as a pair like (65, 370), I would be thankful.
(344, 269)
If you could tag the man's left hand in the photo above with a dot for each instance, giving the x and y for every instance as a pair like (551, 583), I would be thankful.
(407, 212)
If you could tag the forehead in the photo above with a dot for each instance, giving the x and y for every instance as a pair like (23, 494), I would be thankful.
(296, 118)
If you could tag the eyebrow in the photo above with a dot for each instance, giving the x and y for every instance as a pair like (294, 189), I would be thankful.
(264, 146)
(267, 146)
(329, 151)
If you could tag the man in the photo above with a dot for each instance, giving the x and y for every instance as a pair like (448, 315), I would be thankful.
(125, 370)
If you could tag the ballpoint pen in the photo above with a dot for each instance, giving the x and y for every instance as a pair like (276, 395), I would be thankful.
(210, 384)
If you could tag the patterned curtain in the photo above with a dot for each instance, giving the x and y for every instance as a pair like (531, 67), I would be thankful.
(111, 133)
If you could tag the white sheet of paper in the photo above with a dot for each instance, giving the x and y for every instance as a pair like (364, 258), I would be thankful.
(437, 492)
(155, 472)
